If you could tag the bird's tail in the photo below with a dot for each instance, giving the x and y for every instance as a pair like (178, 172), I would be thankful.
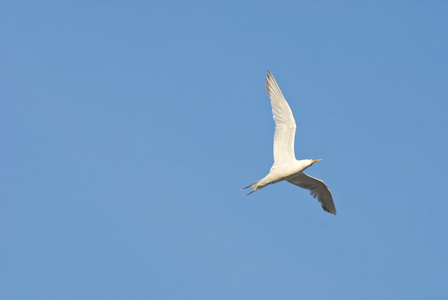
(254, 186)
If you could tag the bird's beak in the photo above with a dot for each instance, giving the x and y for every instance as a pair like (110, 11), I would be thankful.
(316, 160)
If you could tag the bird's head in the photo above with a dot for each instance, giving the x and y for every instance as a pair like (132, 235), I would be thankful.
(312, 161)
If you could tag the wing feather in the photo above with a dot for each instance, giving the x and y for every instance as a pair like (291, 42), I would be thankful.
(317, 188)
(285, 125)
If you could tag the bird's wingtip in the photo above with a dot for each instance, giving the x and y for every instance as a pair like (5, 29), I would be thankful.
(331, 210)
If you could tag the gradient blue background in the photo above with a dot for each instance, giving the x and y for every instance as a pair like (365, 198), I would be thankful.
(128, 130)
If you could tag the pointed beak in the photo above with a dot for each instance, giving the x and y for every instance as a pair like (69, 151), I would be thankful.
(316, 160)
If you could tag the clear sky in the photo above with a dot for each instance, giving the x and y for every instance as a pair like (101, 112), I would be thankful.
(129, 128)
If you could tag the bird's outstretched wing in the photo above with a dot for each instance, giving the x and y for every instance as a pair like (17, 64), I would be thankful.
(285, 125)
(317, 188)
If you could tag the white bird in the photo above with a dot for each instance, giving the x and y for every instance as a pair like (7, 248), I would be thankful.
(286, 166)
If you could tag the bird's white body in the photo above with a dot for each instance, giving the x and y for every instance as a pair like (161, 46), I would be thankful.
(283, 172)
(286, 166)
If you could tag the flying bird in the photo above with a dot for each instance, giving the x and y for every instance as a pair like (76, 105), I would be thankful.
(286, 166)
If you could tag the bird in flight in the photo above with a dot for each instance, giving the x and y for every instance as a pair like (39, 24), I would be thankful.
(286, 166)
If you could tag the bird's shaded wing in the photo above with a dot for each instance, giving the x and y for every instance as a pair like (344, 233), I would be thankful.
(317, 188)
(285, 125)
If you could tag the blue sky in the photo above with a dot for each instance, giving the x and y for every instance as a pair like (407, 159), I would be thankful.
(129, 128)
